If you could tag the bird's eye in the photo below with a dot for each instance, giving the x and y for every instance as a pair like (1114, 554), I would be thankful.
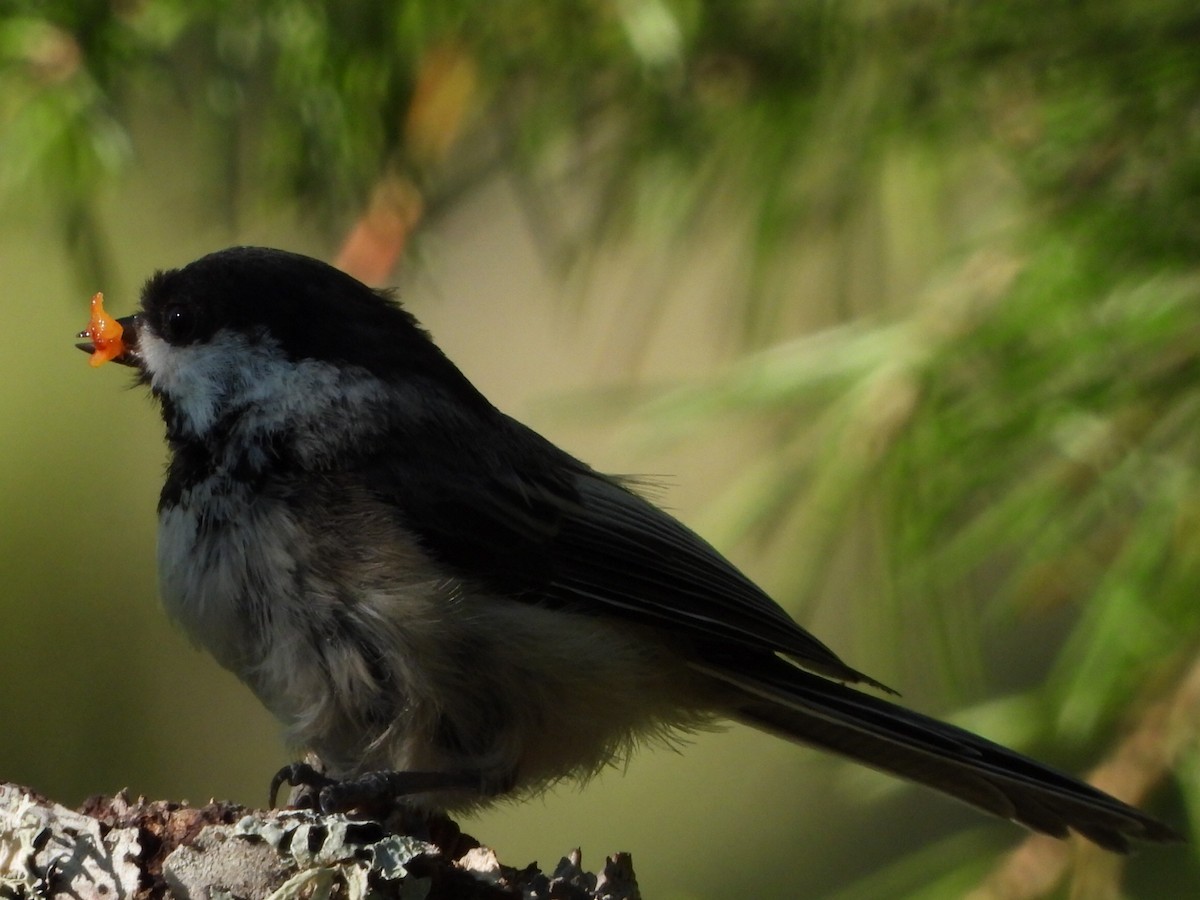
(179, 325)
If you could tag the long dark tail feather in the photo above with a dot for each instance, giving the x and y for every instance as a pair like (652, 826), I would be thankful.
(777, 697)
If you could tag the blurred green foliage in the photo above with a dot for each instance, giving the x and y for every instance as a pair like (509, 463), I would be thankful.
(1001, 401)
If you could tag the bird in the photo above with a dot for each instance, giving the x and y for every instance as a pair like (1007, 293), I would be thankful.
(443, 607)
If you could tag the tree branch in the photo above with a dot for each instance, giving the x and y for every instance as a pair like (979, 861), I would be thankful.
(118, 849)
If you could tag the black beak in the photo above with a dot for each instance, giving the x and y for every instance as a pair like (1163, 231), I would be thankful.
(129, 334)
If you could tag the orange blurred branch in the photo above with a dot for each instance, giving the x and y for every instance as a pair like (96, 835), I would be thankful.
(442, 99)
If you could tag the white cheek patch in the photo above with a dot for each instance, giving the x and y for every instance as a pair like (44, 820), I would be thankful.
(205, 381)
(200, 379)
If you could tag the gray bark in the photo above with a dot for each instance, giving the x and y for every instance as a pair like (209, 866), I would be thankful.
(122, 849)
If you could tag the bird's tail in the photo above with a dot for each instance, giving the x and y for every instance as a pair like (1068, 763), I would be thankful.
(777, 697)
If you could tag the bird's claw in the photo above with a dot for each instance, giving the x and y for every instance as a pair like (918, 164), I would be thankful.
(301, 774)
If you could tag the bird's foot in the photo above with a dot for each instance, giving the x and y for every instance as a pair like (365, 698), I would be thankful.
(372, 793)
(301, 775)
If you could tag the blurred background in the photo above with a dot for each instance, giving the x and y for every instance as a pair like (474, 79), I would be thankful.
(896, 302)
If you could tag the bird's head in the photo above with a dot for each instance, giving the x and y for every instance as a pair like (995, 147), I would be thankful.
(260, 340)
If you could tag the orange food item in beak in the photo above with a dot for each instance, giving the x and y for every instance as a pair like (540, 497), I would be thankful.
(105, 333)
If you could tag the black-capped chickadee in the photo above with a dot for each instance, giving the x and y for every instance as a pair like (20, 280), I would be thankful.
(441, 604)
